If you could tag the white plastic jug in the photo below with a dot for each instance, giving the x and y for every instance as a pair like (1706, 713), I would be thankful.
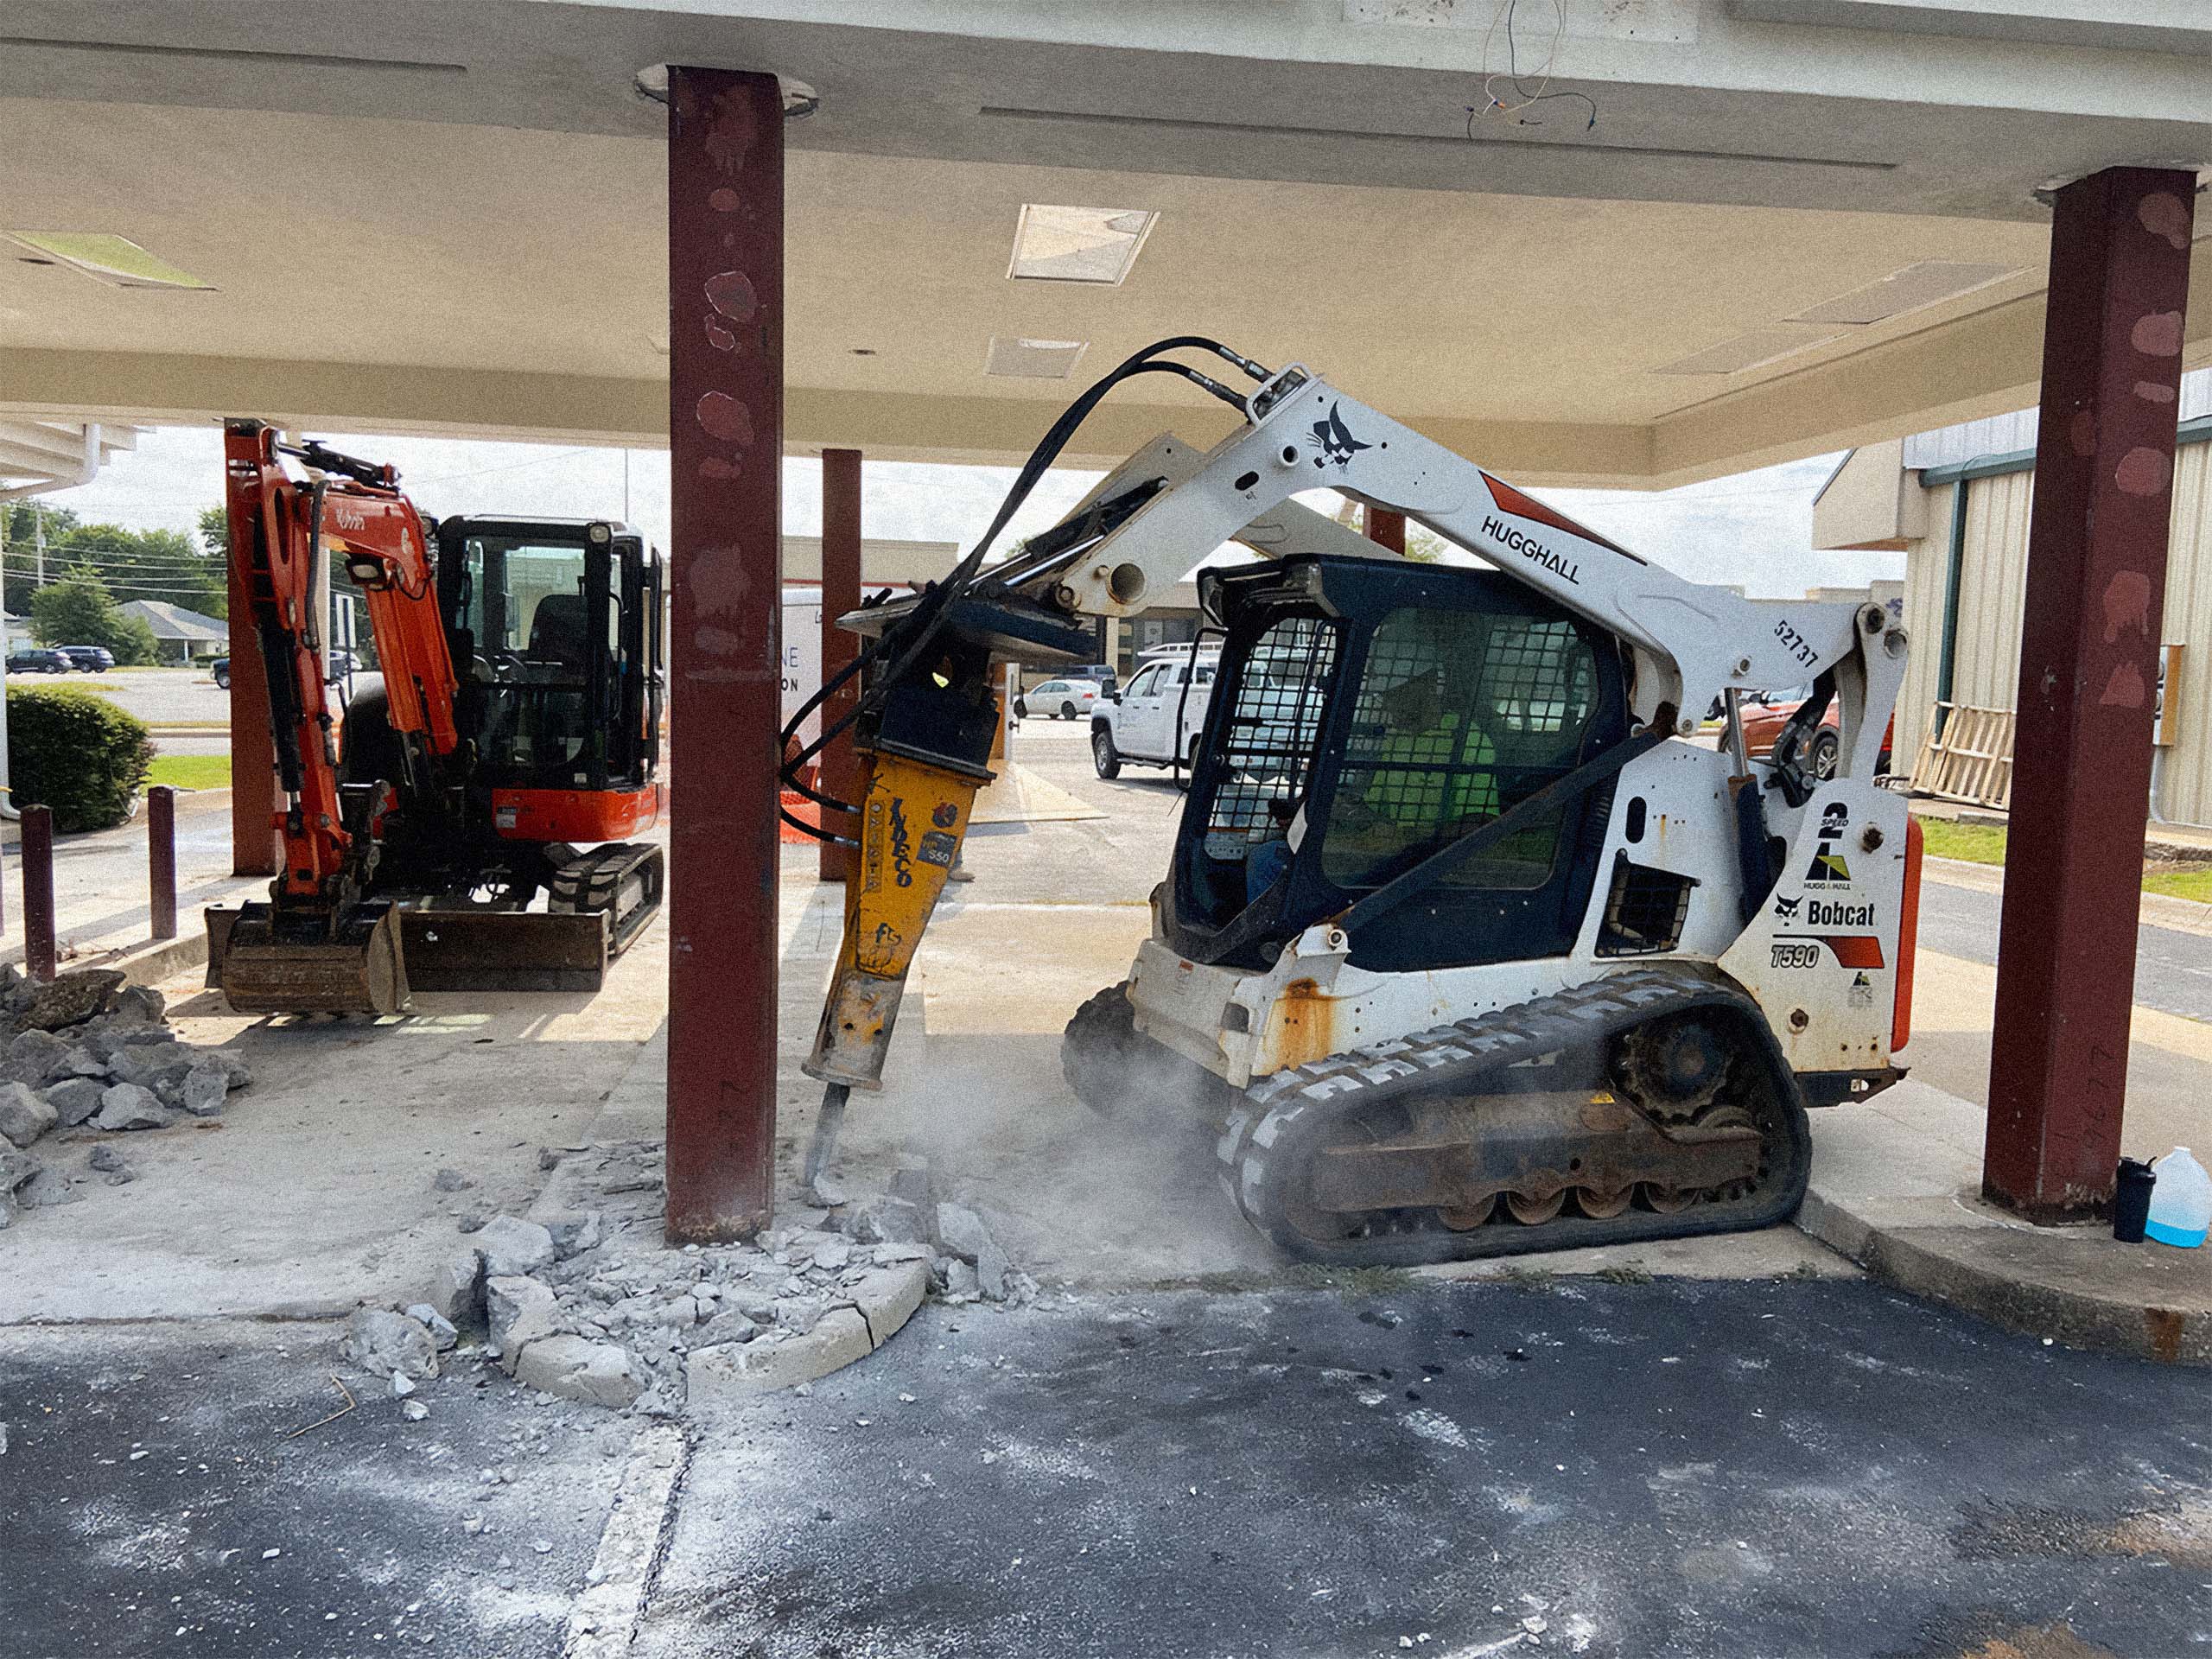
(2181, 1204)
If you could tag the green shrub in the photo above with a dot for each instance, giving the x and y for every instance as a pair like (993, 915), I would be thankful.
(76, 752)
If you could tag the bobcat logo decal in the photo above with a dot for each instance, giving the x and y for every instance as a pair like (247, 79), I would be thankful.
(1338, 444)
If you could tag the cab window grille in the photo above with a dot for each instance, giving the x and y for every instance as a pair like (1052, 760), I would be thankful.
(1645, 910)
(1460, 715)
(1271, 731)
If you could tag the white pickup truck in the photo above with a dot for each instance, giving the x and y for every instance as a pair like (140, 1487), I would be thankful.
(1153, 722)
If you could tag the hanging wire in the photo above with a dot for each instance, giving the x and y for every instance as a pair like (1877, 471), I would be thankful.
(1521, 98)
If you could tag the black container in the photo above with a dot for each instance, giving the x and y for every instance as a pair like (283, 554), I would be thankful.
(2131, 1200)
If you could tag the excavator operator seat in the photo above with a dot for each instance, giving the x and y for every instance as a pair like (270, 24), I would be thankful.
(558, 630)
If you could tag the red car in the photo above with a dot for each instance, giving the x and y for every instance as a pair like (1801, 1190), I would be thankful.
(1765, 715)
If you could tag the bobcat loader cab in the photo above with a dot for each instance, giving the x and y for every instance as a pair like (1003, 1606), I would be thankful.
(1467, 944)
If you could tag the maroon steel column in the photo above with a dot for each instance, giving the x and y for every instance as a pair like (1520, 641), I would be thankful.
(253, 752)
(38, 893)
(725, 435)
(1385, 528)
(160, 860)
(840, 592)
(2088, 662)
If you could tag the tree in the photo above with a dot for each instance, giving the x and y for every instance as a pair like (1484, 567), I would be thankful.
(216, 532)
(157, 564)
(79, 610)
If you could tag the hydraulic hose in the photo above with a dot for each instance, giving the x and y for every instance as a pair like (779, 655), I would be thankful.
(913, 633)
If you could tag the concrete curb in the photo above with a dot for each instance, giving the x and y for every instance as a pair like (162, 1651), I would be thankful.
(734, 1374)
(1895, 1190)
(151, 964)
(2019, 1281)
(148, 963)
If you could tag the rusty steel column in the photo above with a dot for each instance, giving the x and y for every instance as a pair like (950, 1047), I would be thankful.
(1385, 528)
(2097, 578)
(160, 860)
(840, 592)
(38, 893)
(725, 434)
(253, 751)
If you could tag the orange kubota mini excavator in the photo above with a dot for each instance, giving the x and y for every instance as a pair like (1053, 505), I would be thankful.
(518, 716)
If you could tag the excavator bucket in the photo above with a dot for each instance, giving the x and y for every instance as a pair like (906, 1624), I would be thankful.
(265, 962)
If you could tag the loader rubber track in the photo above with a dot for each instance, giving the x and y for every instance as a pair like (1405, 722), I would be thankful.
(1275, 1131)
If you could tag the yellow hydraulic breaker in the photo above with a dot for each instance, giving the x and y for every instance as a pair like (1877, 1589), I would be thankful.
(913, 816)
(925, 728)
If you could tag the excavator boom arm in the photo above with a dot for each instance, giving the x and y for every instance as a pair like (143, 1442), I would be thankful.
(283, 530)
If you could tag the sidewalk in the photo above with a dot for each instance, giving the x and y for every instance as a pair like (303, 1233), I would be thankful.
(102, 897)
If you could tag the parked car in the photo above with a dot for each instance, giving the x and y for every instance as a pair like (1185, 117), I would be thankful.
(90, 660)
(337, 663)
(1158, 720)
(1061, 699)
(1764, 714)
(38, 661)
(1109, 681)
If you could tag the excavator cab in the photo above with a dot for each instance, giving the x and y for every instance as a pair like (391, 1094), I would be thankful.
(557, 635)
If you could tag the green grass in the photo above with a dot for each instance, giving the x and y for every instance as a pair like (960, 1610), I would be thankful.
(1976, 843)
(1984, 843)
(191, 771)
(2181, 884)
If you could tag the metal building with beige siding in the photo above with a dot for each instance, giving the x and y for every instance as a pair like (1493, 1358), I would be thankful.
(1956, 502)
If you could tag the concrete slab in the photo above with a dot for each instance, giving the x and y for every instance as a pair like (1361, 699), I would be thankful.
(314, 1192)
(1021, 795)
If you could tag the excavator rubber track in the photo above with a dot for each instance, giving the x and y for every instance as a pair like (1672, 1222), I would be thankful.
(623, 879)
(1546, 1125)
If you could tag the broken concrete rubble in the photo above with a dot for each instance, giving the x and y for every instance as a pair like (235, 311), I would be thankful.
(24, 1116)
(382, 1343)
(441, 1331)
(74, 1100)
(573, 1234)
(518, 1310)
(67, 999)
(584, 1300)
(85, 1049)
(457, 1290)
(962, 1232)
(131, 1106)
(204, 1089)
(47, 1188)
(510, 1245)
(569, 1368)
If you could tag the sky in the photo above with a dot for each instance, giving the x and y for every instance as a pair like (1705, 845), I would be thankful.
(1753, 528)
